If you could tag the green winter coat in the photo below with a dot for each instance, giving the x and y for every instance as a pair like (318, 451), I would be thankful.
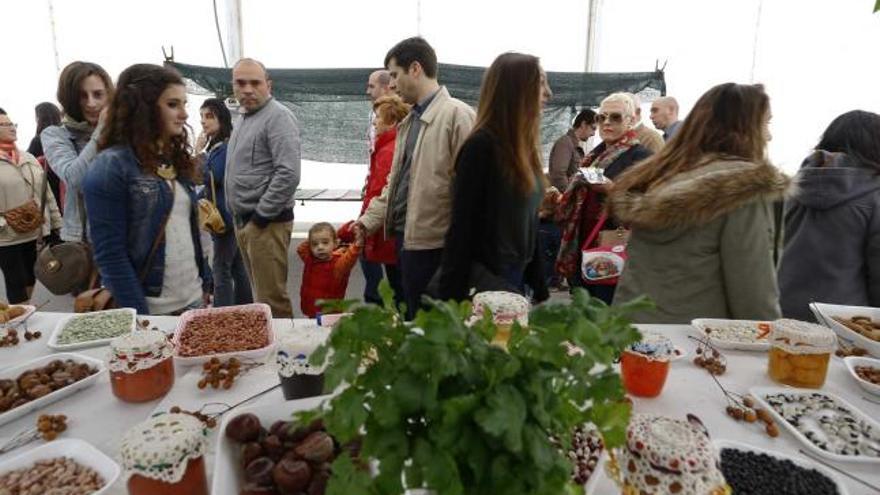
(702, 243)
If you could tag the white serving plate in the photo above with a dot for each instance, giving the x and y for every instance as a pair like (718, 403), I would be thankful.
(799, 461)
(825, 313)
(255, 354)
(59, 327)
(28, 310)
(79, 450)
(701, 324)
(853, 361)
(227, 470)
(34, 405)
(759, 393)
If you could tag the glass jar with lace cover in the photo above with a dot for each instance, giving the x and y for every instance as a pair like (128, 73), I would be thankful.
(141, 366)
(799, 353)
(300, 379)
(664, 456)
(506, 308)
(164, 455)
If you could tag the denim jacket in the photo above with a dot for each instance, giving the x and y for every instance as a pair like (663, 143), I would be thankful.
(126, 208)
(216, 163)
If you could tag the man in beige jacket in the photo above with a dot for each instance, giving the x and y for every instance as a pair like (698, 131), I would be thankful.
(416, 204)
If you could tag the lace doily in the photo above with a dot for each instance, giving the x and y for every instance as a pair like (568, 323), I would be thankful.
(506, 307)
(800, 337)
(161, 447)
(664, 455)
(295, 350)
(654, 346)
(138, 351)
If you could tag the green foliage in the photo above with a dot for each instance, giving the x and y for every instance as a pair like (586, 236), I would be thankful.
(439, 407)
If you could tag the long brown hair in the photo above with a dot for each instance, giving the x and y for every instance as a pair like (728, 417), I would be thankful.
(727, 122)
(70, 86)
(510, 110)
(133, 119)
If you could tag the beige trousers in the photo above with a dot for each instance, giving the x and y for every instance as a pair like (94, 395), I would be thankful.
(264, 252)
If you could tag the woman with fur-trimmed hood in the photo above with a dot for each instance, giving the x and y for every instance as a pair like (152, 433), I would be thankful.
(701, 214)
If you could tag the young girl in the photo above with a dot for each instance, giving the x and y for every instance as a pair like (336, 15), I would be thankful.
(326, 270)
(140, 198)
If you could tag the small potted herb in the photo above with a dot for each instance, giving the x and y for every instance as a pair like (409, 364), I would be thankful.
(437, 407)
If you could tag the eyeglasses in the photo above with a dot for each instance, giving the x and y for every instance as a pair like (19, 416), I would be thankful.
(614, 118)
(9, 125)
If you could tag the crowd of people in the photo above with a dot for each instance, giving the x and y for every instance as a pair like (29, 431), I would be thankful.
(456, 200)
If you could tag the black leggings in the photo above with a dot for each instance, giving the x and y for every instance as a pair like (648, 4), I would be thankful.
(17, 263)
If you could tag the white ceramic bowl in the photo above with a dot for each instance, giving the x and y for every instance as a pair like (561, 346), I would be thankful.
(255, 354)
(59, 328)
(825, 313)
(853, 361)
(80, 451)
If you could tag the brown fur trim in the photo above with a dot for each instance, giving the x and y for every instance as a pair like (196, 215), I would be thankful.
(697, 197)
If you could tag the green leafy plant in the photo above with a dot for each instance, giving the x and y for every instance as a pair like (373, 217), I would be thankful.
(437, 406)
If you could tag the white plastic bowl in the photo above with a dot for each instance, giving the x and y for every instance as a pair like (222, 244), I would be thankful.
(826, 312)
(80, 451)
(853, 361)
(59, 328)
(255, 354)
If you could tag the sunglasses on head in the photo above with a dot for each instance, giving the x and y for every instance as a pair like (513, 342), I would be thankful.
(614, 118)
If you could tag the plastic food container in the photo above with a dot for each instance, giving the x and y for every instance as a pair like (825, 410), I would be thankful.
(644, 365)
(299, 379)
(799, 353)
(507, 308)
(256, 354)
(165, 456)
(141, 366)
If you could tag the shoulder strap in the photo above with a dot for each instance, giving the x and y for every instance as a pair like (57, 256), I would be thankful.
(595, 233)
(80, 200)
(213, 187)
(159, 238)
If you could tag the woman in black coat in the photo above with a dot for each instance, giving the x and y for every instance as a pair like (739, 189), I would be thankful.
(492, 241)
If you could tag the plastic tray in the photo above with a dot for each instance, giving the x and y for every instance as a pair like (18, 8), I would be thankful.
(34, 405)
(760, 394)
(228, 477)
(799, 461)
(825, 313)
(28, 310)
(79, 450)
(53, 339)
(256, 354)
(853, 361)
(701, 324)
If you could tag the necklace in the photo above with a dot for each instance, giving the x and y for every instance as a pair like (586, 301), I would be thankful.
(167, 172)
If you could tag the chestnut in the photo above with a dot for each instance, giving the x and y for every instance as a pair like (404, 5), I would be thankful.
(250, 451)
(243, 428)
(259, 471)
(291, 476)
(317, 447)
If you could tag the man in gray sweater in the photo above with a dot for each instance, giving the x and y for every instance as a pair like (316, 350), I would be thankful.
(262, 174)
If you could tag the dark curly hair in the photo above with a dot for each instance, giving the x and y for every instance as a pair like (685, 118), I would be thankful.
(133, 119)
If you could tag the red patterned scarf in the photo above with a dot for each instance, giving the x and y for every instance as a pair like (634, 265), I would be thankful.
(10, 153)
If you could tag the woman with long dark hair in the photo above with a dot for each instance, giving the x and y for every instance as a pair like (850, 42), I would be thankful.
(231, 284)
(701, 215)
(140, 197)
(832, 222)
(46, 115)
(84, 90)
(492, 241)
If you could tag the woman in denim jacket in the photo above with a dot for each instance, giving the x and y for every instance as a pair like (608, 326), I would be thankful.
(140, 197)
(231, 284)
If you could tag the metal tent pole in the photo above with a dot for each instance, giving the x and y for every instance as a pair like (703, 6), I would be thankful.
(592, 34)
(54, 36)
(234, 38)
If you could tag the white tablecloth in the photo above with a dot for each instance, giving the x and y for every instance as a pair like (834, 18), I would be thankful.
(96, 416)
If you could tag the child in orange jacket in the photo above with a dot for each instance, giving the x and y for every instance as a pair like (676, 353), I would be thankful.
(327, 267)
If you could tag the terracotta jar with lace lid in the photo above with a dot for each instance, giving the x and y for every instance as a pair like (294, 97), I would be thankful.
(141, 366)
(165, 456)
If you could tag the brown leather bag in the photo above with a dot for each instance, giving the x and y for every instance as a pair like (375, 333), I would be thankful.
(28, 217)
(99, 299)
(67, 267)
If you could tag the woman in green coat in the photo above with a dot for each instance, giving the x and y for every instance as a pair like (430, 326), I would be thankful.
(701, 214)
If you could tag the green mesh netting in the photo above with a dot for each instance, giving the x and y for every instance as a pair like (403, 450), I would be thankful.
(333, 110)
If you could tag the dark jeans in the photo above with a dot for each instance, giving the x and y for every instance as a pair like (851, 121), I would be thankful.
(550, 237)
(373, 275)
(17, 263)
(231, 283)
(416, 270)
(602, 292)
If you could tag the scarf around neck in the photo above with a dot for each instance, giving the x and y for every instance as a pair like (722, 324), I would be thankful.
(76, 125)
(603, 157)
(10, 153)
